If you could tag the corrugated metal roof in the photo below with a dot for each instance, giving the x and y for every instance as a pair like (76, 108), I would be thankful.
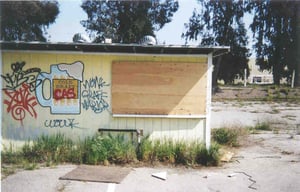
(112, 48)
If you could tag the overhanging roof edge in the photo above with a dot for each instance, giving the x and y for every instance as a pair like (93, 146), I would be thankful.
(112, 48)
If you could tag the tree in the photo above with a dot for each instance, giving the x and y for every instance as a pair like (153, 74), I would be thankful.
(126, 21)
(26, 20)
(220, 23)
(274, 28)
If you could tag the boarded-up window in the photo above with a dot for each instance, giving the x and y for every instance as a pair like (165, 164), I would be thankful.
(158, 88)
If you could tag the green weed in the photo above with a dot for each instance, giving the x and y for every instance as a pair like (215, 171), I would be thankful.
(116, 149)
(11, 156)
(179, 153)
(164, 151)
(53, 148)
(264, 126)
(225, 136)
(208, 157)
(145, 150)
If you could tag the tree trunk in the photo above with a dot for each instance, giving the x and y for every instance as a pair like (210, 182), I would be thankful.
(276, 74)
(297, 69)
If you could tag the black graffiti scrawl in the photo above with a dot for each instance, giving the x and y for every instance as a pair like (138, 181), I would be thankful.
(19, 76)
(18, 87)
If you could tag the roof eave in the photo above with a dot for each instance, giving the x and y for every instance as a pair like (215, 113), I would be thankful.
(112, 48)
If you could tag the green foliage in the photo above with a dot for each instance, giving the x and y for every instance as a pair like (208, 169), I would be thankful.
(208, 157)
(264, 126)
(145, 150)
(9, 155)
(225, 136)
(126, 21)
(164, 151)
(111, 148)
(53, 148)
(274, 29)
(26, 20)
(116, 149)
(220, 24)
(180, 153)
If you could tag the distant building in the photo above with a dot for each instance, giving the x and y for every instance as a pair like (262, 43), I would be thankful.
(258, 77)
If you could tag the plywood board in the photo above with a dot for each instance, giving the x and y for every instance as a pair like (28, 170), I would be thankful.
(158, 88)
(102, 174)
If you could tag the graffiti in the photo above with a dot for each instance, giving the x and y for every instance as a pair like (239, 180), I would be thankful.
(94, 96)
(65, 89)
(19, 76)
(61, 123)
(18, 87)
(20, 102)
(65, 80)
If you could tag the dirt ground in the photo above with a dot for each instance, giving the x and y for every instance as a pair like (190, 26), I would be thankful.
(261, 93)
(239, 106)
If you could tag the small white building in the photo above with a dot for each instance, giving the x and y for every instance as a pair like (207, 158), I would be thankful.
(78, 88)
(257, 76)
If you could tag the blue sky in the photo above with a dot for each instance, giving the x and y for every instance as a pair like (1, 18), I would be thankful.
(68, 23)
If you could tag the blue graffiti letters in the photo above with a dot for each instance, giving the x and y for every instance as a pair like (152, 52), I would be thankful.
(94, 96)
(96, 82)
(94, 100)
(61, 123)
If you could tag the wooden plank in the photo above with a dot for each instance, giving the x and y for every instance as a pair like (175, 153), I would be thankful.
(161, 88)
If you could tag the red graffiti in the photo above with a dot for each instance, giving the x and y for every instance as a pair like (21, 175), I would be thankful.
(20, 102)
(64, 94)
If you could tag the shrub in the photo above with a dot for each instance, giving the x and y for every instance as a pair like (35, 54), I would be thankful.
(54, 148)
(109, 148)
(145, 150)
(263, 126)
(164, 151)
(181, 153)
(208, 157)
(9, 155)
(225, 136)
(114, 149)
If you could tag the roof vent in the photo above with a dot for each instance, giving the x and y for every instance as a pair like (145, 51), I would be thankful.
(148, 40)
(81, 38)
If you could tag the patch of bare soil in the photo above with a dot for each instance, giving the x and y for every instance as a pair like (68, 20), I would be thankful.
(257, 93)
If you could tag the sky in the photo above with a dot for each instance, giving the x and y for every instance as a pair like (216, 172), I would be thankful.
(68, 23)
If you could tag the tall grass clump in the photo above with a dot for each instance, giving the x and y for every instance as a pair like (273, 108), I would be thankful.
(48, 148)
(208, 157)
(264, 126)
(115, 149)
(11, 155)
(145, 150)
(225, 136)
(179, 152)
